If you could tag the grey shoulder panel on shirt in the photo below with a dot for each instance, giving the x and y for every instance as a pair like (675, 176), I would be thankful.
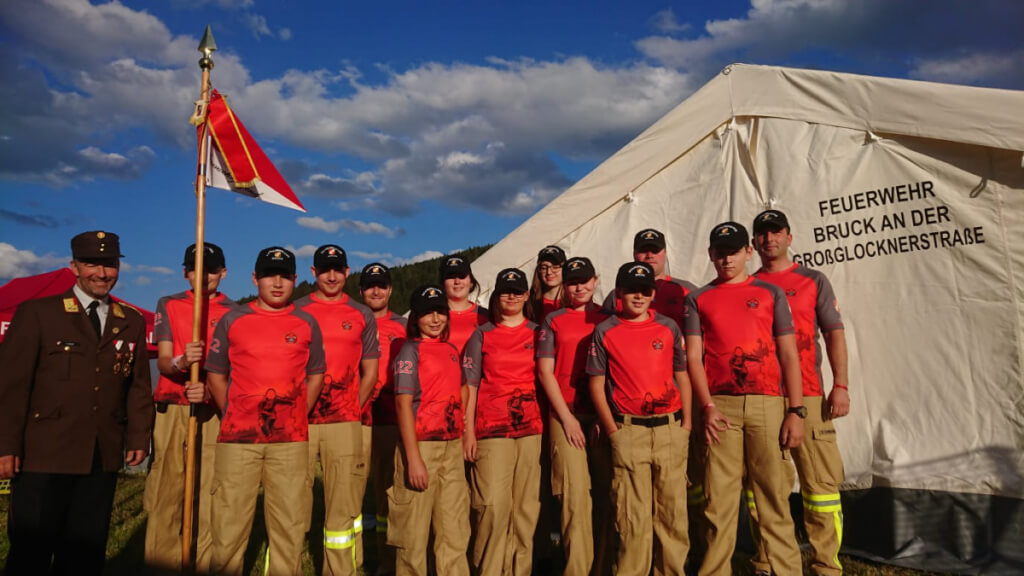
(306, 317)
(395, 317)
(304, 301)
(690, 286)
(775, 290)
(667, 323)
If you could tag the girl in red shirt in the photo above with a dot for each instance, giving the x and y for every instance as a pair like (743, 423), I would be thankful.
(562, 345)
(503, 413)
(429, 492)
(546, 291)
(464, 315)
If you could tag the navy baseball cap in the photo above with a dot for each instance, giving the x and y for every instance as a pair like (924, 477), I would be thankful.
(428, 298)
(552, 254)
(729, 236)
(454, 267)
(633, 276)
(330, 257)
(650, 239)
(375, 274)
(578, 269)
(213, 258)
(511, 281)
(773, 220)
(275, 260)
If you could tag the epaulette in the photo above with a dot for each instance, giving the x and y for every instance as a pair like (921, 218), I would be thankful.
(124, 304)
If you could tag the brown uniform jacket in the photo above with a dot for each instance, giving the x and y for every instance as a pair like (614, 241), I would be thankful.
(61, 390)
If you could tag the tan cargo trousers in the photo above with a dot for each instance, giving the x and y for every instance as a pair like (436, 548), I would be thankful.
(588, 540)
(239, 471)
(443, 508)
(752, 439)
(504, 485)
(340, 448)
(165, 488)
(649, 490)
(820, 468)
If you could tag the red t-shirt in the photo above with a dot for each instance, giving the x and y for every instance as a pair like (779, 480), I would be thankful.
(499, 361)
(350, 335)
(669, 298)
(547, 307)
(639, 361)
(381, 407)
(428, 369)
(462, 324)
(814, 307)
(739, 324)
(267, 355)
(173, 323)
(565, 336)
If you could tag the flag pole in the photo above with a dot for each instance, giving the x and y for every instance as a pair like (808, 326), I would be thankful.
(206, 47)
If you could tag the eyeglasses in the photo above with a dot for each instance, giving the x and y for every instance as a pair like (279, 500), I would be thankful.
(549, 268)
(513, 295)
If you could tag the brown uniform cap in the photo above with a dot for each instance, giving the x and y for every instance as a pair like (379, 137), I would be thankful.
(96, 245)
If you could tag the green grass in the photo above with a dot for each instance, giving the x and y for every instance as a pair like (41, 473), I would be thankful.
(128, 534)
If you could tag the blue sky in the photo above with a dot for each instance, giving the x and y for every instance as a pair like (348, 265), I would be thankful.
(408, 129)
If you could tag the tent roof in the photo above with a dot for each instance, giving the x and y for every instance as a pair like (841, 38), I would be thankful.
(978, 116)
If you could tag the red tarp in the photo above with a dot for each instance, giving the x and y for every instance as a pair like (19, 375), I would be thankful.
(57, 282)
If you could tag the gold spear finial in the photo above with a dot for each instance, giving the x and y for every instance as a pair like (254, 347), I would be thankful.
(207, 45)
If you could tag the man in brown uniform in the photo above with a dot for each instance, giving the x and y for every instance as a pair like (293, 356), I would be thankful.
(75, 402)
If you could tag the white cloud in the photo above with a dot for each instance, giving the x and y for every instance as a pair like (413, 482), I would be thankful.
(284, 33)
(143, 281)
(389, 259)
(257, 24)
(974, 68)
(332, 226)
(304, 251)
(871, 32)
(145, 268)
(665, 21)
(15, 263)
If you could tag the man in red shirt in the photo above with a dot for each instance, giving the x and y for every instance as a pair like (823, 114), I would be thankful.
(165, 484)
(264, 370)
(380, 423)
(335, 433)
(742, 358)
(641, 395)
(818, 463)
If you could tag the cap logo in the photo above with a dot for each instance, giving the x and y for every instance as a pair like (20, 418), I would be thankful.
(376, 270)
(649, 235)
(454, 261)
(277, 254)
(331, 251)
(431, 293)
(575, 265)
(511, 276)
(101, 235)
(768, 216)
(638, 271)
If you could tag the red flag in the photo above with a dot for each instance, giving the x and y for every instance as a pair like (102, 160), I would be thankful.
(237, 164)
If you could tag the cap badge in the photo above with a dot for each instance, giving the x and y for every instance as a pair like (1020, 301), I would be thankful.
(376, 270)
(576, 264)
(638, 271)
(101, 235)
(510, 276)
(331, 251)
(649, 235)
(432, 293)
(277, 254)
(768, 216)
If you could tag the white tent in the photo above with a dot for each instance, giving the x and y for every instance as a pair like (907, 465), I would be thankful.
(910, 197)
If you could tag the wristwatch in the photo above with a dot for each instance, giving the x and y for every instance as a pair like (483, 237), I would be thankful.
(800, 411)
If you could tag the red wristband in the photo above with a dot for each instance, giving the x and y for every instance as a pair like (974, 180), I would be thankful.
(841, 387)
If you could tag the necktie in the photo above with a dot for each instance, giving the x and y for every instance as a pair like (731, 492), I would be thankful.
(94, 317)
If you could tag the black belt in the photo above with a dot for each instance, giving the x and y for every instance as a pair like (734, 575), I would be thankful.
(650, 421)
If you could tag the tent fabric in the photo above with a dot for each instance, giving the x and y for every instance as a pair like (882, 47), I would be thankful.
(908, 195)
(59, 281)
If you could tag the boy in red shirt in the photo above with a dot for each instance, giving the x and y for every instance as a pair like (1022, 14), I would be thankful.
(165, 484)
(380, 422)
(742, 358)
(335, 433)
(818, 463)
(264, 370)
(641, 395)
